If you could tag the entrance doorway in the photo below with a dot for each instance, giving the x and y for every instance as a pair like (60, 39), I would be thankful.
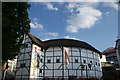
(72, 77)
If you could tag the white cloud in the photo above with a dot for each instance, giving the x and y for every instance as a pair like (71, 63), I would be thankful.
(68, 37)
(52, 34)
(74, 5)
(35, 24)
(111, 4)
(51, 7)
(35, 19)
(85, 17)
(107, 13)
(46, 39)
(71, 5)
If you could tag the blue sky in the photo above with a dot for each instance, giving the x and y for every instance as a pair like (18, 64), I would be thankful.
(93, 22)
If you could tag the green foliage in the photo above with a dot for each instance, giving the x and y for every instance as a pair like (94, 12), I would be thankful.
(15, 23)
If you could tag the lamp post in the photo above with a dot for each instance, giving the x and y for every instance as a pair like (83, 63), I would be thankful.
(86, 72)
(82, 68)
(89, 65)
(94, 70)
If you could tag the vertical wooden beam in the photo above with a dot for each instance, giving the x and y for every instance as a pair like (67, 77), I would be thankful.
(44, 64)
(30, 59)
(81, 62)
(94, 64)
(53, 62)
(62, 63)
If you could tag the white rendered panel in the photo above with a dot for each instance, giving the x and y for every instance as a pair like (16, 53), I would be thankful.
(78, 73)
(57, 49)
(69, 66)
(58, 53)
(19, 72)
(18, 64)
(84, 73)
(27, 56)
(91, 73)
(66, 72)
(24, 77)
(25, 71)
(27, 62)
(75, 53)
(28, 49)
(75, 49)
(72, 72)
(20, 57)
(84, 54)
(76, 65)
(29, 45)
(48, 72)
(49, 53)
(22, 50)
(50, 66)
(90, 55)
(96, 56)
(89, 51)
(57, 65)
(52, 59)
(17, 77)
(49, 49)
(58, 72)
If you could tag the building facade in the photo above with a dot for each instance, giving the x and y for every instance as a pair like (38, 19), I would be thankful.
(83, 60)
(29, 65)
(111, 56)
(57, 59)
(110, 68)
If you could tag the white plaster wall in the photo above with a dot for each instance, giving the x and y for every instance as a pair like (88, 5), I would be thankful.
(25, 58)
(75, 53)
(58, 72)
(20, 57)
(48, 72)
(103, 59)
(87, 55)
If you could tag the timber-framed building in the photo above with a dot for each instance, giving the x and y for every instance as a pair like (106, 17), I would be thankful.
(57, 59)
